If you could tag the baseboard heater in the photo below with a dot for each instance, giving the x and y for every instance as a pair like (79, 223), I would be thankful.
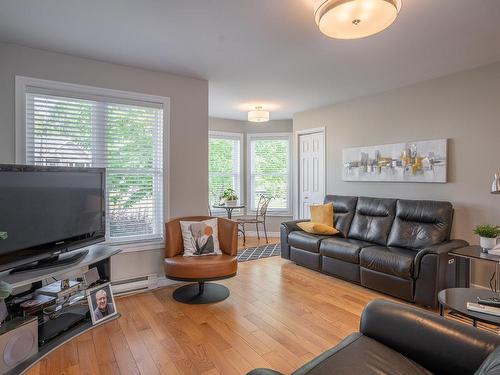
(135, 285)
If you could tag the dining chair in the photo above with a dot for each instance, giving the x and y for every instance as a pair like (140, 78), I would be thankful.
(260, 218)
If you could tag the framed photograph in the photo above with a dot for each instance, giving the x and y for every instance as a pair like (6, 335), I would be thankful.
(101, 303)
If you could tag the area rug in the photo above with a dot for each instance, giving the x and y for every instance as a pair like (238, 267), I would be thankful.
(259, 252)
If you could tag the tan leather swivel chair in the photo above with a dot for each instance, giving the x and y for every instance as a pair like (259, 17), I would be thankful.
(201, 269)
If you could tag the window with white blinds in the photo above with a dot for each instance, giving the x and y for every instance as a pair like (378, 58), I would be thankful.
(125, 136)
(224, 164)
(269, 174)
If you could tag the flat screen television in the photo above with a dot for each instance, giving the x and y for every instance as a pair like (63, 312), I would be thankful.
(47, 211)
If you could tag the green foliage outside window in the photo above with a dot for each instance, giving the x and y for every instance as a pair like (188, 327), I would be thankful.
(270, 159)
(223, 167)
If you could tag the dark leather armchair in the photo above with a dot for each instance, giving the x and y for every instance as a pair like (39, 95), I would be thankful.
(201, 269)
(400, 339)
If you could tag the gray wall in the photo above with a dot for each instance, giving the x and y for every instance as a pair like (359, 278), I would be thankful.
(245, 127)
(465, 108)
(188, 125)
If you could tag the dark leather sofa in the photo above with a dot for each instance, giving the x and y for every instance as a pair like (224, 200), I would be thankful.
(399, 339)
(398, 247)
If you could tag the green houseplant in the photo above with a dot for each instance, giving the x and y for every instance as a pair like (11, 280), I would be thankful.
(229, 196)
(488, 235)
(3, 235)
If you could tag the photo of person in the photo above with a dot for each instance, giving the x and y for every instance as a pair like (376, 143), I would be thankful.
(101, 304)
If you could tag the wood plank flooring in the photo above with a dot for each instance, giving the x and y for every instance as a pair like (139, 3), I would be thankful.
(279, 315)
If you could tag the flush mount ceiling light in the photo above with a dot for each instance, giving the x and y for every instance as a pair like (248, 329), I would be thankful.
(258, 115)
(353, 19)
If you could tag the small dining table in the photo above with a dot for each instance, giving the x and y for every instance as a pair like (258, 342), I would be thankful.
(229, 208)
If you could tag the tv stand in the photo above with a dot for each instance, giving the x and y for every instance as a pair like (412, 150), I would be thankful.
(55, 261)
(74, 320)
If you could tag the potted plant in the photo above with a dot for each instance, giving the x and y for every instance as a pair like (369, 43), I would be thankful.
(488, 235)
(229, 197)
(3, 235)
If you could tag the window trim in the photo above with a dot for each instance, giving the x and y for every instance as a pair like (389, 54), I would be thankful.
(22, 83)
(232, 136)
(250, 138)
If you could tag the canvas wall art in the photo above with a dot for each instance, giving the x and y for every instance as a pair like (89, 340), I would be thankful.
(423, 161)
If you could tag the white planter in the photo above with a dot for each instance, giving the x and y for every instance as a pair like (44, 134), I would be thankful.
(231, 203)
(487, 243)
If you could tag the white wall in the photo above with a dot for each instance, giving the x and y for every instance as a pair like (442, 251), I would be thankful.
(245, 127)
(188, 127)
(464, 107)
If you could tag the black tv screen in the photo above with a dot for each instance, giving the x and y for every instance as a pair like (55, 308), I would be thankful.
(48, 210)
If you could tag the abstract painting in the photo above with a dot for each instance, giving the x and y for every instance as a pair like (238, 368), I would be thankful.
(423, 161)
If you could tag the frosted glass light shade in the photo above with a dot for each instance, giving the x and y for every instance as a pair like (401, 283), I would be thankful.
(353, 19)
(258, 115)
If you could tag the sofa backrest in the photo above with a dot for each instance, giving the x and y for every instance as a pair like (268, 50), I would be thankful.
(420, 224)
(373, 219)
(343, 211)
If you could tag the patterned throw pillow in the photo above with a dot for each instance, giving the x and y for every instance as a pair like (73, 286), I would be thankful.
(200, 238)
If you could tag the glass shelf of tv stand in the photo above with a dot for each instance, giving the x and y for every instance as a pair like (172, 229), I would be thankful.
(96, 254)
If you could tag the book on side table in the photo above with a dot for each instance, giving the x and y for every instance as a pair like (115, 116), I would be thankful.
(485, 309)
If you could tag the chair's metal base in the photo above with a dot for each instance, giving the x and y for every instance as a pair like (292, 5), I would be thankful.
(201, 293)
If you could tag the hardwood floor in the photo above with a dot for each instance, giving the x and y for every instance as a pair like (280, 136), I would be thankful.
(277, 316)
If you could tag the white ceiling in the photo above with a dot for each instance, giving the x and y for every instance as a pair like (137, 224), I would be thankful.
(262, 51)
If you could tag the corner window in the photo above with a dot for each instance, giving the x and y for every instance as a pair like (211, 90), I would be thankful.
(224, 165)
(269, 170)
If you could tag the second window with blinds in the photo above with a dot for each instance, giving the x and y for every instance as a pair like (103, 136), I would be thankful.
(77, 126)
(224, 165)
(268, 164)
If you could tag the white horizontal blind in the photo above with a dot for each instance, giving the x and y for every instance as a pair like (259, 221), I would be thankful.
(126, 139)
(224, 160)
(270, 171)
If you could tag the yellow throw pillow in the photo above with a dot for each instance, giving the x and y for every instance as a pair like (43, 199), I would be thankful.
(322, 214)
(317, 228)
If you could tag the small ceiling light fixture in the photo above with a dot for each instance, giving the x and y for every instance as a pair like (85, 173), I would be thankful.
(258, 115)
(353, 19)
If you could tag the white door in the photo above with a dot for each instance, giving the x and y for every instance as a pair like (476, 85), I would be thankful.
(311, 171)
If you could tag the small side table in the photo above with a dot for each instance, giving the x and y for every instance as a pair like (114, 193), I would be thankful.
(476, 253)
(456, 300)
(229, 209)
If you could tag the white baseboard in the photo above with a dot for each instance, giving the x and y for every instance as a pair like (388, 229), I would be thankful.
(163, 281)
(249, 233)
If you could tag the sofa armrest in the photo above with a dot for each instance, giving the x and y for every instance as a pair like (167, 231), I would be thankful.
(439, 249)
(291, 226)
(288, 227)
(440, 345)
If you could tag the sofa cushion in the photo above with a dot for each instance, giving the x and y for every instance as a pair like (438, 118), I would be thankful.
(359, 354)
(389, 260)
(317, 228)
(373, 219)
(343, 211)
(345, 249)
(305, 241)
(421, 224)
